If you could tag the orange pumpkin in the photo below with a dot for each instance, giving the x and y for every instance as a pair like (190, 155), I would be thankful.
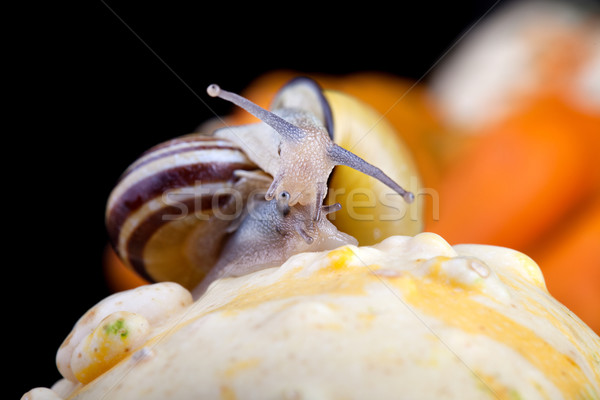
(117, 274)
(521, 177)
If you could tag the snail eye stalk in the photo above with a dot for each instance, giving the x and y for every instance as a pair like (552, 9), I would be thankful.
(342, 156)
(284, 128)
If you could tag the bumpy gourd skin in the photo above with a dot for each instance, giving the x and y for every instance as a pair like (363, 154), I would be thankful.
(408, 318)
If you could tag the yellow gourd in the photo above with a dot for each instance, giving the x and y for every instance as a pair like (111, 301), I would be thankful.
(411, 317)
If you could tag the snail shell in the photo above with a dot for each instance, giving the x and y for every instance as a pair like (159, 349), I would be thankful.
(163, 206)
(181, 210)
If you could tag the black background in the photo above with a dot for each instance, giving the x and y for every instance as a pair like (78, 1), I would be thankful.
(97, 86)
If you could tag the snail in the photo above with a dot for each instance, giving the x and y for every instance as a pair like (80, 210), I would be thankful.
(207, 206)
(307, 154)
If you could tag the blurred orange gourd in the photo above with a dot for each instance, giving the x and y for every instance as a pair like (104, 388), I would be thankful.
(521, 177)
(118, 276)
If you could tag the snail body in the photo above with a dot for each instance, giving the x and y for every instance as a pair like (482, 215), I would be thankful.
(204, 207)
(271, 234)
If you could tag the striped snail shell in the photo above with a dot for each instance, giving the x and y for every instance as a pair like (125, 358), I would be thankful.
(163, 205)
(201, 207)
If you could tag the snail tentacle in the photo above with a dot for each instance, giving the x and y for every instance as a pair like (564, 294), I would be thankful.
(321, 193)
(284, 128)
(328, 209)
(342, 156)
(302, 232)
(270, 195)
